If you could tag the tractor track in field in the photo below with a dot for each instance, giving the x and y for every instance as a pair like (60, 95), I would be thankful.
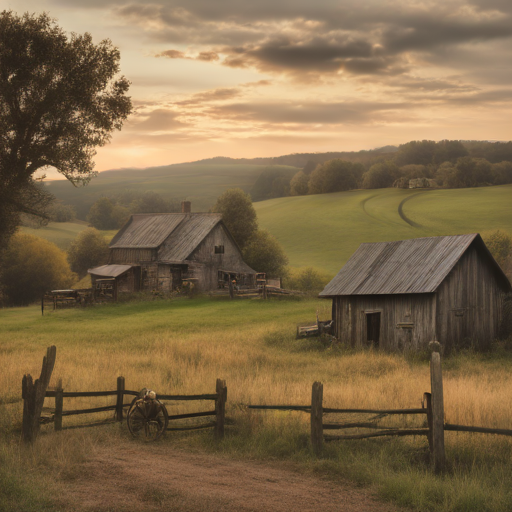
(159, 478)
(402, 214)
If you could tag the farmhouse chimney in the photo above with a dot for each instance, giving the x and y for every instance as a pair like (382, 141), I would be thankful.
(186, 207)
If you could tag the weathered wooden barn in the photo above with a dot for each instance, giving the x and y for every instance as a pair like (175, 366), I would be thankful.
(166, 251)
(401, 295)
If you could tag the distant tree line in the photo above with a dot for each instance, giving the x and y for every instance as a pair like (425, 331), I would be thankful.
(449, 163)
(113, 211)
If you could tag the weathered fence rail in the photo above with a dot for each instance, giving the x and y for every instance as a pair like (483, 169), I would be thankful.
(34, 414)
(433, 408)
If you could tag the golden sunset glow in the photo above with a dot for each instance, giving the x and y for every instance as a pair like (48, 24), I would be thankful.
(257, 79)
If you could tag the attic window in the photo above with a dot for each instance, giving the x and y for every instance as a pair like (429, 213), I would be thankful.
(219, 249)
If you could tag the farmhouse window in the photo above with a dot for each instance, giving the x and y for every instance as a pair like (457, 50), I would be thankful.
(219, 249)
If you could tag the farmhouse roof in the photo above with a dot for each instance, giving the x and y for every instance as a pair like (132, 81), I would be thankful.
(187, 235)
(109, 270)
(150, 230)
(419, 265)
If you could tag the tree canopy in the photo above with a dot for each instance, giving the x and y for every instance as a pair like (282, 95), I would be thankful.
(32, 266)
(334, 176)
(238, 214)
(264, 253)
(60, 98)
(88, 250)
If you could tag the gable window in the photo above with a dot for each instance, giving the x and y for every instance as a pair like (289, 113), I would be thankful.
(219, 249)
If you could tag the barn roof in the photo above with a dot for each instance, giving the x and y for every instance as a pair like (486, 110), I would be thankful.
(109, 270)
(147, 230)
(187, 236)
(408, 266)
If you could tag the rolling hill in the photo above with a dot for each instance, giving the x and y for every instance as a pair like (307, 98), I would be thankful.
(324, 230)
(199, 183)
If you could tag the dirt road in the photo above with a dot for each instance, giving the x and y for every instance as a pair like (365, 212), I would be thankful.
(160, 478)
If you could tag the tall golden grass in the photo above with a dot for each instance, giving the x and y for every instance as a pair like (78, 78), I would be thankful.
(182, 347)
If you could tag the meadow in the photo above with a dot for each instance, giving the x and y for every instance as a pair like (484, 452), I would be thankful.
(323, 231)
(183, 346)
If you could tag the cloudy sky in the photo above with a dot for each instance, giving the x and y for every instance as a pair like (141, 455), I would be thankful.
(255, 78)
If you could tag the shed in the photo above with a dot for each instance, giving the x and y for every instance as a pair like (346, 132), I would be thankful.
(166, 250)
(401, 295)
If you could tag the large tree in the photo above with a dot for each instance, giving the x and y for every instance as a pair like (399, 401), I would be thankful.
(60, 98)
(238, 214)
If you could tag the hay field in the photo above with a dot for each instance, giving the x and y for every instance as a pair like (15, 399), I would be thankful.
(323, 231)
(183, 346)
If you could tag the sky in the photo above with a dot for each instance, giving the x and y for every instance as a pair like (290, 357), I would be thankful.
(265, 78)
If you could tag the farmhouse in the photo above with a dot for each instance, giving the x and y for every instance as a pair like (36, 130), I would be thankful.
(401, 295)
(166, 251)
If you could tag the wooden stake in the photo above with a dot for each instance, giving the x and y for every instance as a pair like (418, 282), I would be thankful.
(436, 382)
(33, 394)
(59, 406)
(317, 432)
(120, 398)
(220, 408)
(427, 397)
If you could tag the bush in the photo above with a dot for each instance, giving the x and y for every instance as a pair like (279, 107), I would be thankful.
(31, 267)
(309, 280)
(264, 253)
(88, 250)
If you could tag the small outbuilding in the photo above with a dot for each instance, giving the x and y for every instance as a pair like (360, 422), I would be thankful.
(167, 251)
(401, 295)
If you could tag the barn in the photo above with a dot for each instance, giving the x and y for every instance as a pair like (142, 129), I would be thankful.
(166, 251)
(401, 295)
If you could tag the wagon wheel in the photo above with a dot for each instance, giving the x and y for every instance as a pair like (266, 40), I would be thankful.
(147, 419)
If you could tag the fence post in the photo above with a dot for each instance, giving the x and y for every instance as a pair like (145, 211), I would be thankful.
(317, 431)
(427, 397)
(120, 398)
(436, 382)
(33, 394)
(59, 406)
(220, 407)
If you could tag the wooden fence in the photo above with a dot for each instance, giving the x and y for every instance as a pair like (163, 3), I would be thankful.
(56, 414)
(34, 414)
(432, 410)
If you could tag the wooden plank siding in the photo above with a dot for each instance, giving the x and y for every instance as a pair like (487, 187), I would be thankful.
(131, 256)
(469, 303)
(209, 263)
(398, 312)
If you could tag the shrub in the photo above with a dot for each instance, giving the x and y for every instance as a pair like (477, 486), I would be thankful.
(88, 250)
(309, 280)
(32, 266)
(265, 254)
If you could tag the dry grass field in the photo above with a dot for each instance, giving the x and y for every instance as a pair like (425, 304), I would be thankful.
(183, 346)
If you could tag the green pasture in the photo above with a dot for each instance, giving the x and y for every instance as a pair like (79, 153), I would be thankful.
(183, 345)
(59, 233)
(63, 233)
(324, 230)
(199, 183)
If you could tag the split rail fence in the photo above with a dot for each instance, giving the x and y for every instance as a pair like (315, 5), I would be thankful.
(33, 394)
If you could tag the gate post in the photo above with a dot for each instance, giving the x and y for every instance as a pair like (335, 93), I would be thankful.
(33, 394)
(59, 406)
(220, 408)
(317, 431)
(120, 398)
(436, 382)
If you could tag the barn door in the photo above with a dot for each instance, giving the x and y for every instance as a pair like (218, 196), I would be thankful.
(373, 328)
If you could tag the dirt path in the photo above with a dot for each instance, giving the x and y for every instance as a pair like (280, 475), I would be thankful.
(160, 478)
